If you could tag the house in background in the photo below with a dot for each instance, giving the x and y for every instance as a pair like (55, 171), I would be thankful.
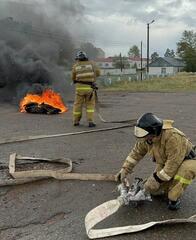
(107, 67)
(136, 62)
(105, 63)
(166, 66)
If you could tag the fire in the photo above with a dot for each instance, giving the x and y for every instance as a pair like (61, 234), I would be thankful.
(48, 97)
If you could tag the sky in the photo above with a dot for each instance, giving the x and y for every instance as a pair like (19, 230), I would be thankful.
(116, 25)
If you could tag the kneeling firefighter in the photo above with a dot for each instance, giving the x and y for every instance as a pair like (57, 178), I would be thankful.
(84, 73)
(172, 152)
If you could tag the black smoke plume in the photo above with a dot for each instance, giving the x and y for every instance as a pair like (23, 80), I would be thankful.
(36, 46)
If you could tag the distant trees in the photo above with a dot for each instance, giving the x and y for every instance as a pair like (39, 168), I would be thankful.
(169, 53)
(134, 51)
(154, 56)
(121, 62)
(186, 49)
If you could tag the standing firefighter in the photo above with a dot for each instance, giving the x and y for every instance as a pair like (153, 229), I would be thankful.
(172, 152)
(84, 73)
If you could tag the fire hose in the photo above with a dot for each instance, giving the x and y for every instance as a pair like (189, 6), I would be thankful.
(97, 107)
(129, 123)
(30, 138)
(135, 194)
(97, 104)
(16, 177)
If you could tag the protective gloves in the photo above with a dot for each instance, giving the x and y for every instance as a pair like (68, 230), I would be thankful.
(121, 175)
(153, 183)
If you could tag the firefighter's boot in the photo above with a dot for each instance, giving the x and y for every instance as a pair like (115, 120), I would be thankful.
(174, 205)
(91, 124)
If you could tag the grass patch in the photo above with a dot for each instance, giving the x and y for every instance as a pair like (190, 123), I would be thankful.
(178, 83)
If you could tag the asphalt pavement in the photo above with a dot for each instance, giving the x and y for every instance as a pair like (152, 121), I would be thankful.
(55, 210)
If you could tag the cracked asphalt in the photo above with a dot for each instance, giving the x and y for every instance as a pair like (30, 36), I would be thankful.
(55, 210)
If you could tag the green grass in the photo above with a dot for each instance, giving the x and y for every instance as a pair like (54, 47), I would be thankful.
(179, 83)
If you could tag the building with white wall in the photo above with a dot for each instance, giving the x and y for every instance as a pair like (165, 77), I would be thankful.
(136, 62)
(107, 67)
(166, 66)
(105, 62)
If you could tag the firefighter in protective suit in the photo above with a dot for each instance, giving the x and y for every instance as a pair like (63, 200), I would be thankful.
(84, 73)
(172, 152)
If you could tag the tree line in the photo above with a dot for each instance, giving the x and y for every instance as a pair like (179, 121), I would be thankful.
(186, 50)
(135, 52)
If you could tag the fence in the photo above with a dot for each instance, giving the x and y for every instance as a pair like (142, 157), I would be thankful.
(107, 80)
(112, 79)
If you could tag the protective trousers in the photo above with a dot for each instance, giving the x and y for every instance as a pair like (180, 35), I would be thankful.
(84, 96)
(183, 178)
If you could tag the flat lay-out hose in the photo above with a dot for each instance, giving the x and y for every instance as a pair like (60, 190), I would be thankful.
(126, 124)
(106, 209)
(97, 107)
(30, 138)
(64, 173)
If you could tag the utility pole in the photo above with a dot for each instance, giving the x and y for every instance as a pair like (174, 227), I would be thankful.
(147, 66)
(121, 64)
(141, 61)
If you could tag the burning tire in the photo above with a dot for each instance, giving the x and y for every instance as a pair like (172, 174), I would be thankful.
(48, 102)
(41, 108)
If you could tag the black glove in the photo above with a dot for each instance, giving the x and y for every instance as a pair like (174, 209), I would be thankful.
(157, 178)
(94, 86)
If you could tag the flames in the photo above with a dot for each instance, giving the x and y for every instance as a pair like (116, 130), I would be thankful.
(48, 97)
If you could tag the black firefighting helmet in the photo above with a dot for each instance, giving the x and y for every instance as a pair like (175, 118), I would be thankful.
(148, 124)
(81, 56)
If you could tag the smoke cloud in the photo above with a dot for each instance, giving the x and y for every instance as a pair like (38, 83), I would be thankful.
(37, 42)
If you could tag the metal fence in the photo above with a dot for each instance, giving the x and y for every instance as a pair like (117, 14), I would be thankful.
(112, 79)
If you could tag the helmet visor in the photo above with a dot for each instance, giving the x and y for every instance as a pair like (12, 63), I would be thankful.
(140, 132)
